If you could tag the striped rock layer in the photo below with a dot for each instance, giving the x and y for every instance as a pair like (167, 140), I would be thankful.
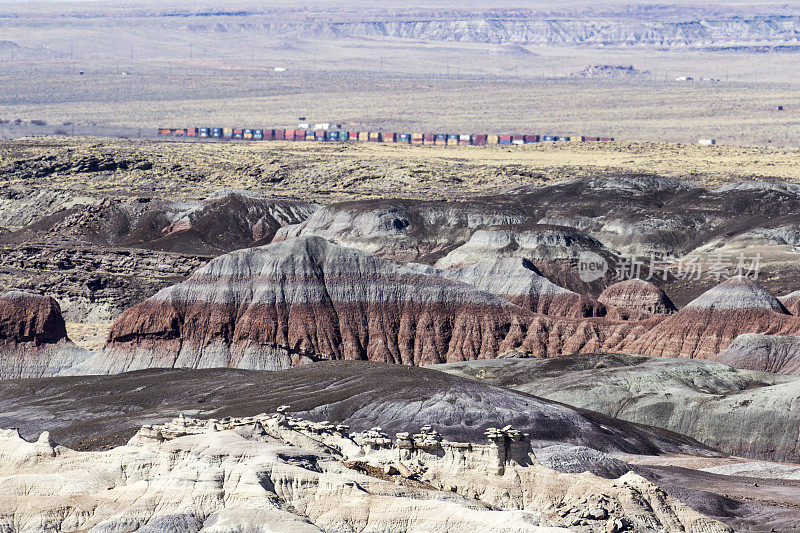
(33, 337)
(636, 299)
(307, 299)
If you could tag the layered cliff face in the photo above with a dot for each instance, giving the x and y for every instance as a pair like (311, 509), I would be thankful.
(305, 299)
(708, 324)
(33, 337)
(635, 299)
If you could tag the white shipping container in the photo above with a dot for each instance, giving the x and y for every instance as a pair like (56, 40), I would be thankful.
(463, 137)
(707, 142)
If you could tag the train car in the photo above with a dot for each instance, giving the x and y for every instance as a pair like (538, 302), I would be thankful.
(479, 140)
(606, 139)
(417, 138)
(504, 139)
(238, 133)
(576, 139)
(311, 135)
(531, 139)
(258, 134)
(247, 133)
(452, 139)
(352, 135)
(374, 136)
(216, 133)
(164, 131)
(297, 135)
(333, 136)
(319, 135)
(440, 138)
(517, 139)
(430, 138)
(388, 137)
(548, 138)
(492, 139)
(277, 135)
(191, 132)
(403, 138)
(464, 139)
(563, 139)
(227, 132)
(590, 139)
(203, 132)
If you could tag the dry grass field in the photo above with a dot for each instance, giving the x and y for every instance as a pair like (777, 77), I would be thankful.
(327, 172)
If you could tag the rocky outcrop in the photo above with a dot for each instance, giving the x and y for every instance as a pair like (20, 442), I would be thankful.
(635, 299)
(295, 475)
(708, 324)
(33, 337)
(767, 353)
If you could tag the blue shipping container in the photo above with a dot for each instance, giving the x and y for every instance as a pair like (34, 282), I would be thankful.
(216, 132)
(548, 138)
(404, 137)
(563, 139)
(333, 135)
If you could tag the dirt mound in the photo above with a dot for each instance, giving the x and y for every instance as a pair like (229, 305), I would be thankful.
(636, 299)
(766, 353)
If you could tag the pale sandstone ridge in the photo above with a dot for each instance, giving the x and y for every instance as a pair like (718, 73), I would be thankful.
(767, 353)
(635, 299)
(33, 337)
(709, 323)
(281, 473)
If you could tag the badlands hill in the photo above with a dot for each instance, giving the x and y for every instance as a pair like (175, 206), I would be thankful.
(107, 410)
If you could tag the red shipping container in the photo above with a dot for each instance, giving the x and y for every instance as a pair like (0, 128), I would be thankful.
(278, 135)
(429, 138)
(388, 137)
(479, 140)
(353, 136)
(505, 137)
(606, 139)
(299, 135)
(191, 132)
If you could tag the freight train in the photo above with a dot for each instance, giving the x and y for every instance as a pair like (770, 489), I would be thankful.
(439, 139)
